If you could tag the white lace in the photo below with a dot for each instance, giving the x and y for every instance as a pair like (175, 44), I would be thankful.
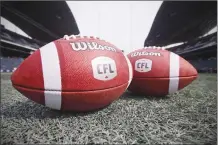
(154, 47)
(66, 37)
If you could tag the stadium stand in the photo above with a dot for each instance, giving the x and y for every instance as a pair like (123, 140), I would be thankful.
(200, 52)
(174, 24)
(196, 44)
(27, 16)
(188, 26)
(12, 51)
(41, 20)
(205, 65)
(9, 64)
(19, 39)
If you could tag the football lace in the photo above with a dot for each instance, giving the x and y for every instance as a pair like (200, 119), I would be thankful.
(66, 37)
(154, 47)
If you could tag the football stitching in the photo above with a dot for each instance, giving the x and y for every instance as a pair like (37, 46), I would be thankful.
(154, 47)
(66, 37)
(68, 90)
(165, 77)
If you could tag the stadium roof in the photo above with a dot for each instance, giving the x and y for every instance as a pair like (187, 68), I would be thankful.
(179, 21)
(41, 20)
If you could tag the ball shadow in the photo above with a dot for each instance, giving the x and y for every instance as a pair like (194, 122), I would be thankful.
(30, 109)
(138, 96)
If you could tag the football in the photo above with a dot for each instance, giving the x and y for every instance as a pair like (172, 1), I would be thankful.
(158, 72)
(74, 73)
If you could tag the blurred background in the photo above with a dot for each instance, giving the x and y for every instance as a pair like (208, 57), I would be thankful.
(186, 28)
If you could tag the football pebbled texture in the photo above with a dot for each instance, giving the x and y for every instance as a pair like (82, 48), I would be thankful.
(158, 72)
(76, 73)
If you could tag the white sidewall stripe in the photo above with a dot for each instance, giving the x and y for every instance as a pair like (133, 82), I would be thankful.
(51, 75)
(174, 73)
(130, 70)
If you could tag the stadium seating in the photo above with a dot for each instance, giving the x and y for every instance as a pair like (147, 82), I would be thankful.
(199, 43)
(202, 43)
(205, 65)
(10, 64)
(16, 38)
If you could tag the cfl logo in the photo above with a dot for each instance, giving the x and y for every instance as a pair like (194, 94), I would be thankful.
(143, 65)
(104, 68)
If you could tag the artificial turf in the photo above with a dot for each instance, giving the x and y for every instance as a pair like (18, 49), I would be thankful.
(186, 117)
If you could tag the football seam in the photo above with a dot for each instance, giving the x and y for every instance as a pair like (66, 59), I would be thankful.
(165, 77)
(68, 90)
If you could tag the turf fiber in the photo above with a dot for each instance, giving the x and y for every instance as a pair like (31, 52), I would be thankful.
(186, 117)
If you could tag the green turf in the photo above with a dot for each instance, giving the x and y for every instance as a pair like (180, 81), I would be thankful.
(186, 117)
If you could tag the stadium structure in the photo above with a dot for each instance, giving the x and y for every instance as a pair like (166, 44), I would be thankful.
(57, 21)
(190, 23)
(188, 26)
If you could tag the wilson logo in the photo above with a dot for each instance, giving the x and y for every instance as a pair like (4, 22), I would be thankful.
(145, 53)
(104, 68)
(81, 46)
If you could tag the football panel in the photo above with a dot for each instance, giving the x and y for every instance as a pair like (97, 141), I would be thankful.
(75, 101)
(79, 70)
(91, 100)
(32, 94)
(29, 73)
(159, 86)
(187, 69)
(185, 81)
(149, 86)
(148, 63)
(171, 65)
